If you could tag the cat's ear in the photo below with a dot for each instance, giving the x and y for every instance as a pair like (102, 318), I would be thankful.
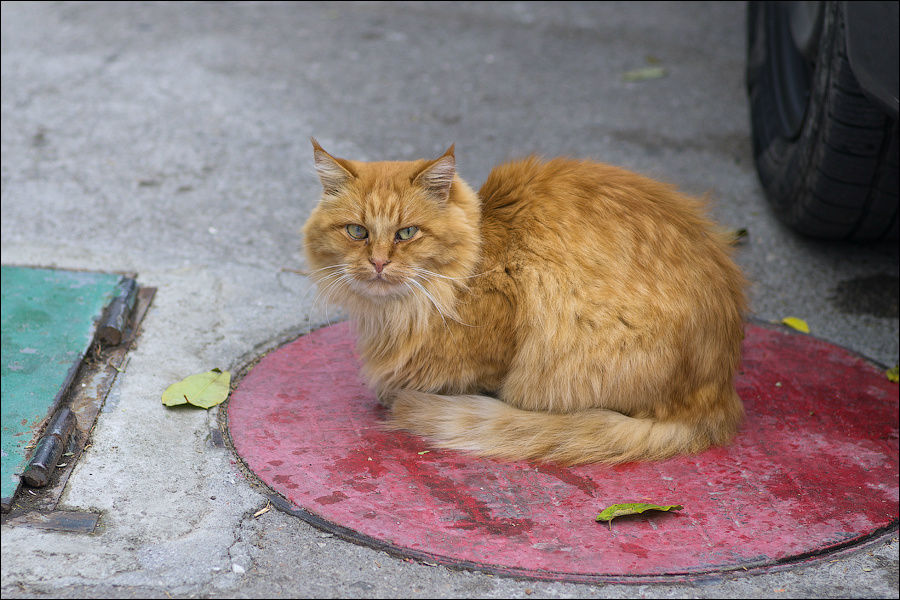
(334, 173)
(437, 176)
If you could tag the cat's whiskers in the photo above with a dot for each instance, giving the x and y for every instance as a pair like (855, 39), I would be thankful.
(335, 266)
(440, 308)
(347, 279)
(336, 278)
(428, 273)
(318, 281)
(413, 291)
(323, 283)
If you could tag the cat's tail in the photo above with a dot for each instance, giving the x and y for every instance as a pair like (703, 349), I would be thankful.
(489, 427)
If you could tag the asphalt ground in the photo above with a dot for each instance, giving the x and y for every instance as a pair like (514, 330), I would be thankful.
(171, 140)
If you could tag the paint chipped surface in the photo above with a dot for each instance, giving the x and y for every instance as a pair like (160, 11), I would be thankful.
(48, 321)
(814, 468)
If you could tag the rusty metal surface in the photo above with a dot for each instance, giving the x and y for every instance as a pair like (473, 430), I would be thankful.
(58, 520)
(813, 470)
(93, 379)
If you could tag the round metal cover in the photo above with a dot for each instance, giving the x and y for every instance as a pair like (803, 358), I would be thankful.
(814, 469)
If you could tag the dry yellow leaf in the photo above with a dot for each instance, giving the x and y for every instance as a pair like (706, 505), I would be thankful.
(795, 323)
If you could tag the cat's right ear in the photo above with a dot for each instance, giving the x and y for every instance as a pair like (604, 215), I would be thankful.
(334, 173)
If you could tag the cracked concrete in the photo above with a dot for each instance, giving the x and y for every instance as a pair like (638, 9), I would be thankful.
(171, 140)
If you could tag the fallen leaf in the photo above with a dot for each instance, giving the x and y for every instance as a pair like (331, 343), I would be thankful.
(795, 323)
(737, 236)
(203, 389)
(643, 74)
(121, 367)
(620, 510)
(893, 373)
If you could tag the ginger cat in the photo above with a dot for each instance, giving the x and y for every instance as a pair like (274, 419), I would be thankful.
(570, 311)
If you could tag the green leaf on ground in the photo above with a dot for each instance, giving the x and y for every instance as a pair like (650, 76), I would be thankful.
(893, 373)
(644, 73)
(632, 508)
(738, 236)
(204, 390)
(795, 323)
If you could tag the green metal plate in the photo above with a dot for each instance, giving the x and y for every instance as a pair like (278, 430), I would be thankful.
(48, 322)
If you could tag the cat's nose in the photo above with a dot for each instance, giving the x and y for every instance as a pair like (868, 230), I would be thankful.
(379, 263)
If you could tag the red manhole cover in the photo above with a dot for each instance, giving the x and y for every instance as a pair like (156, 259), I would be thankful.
(814, 468)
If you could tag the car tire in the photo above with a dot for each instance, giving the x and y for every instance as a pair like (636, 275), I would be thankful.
(826, 156)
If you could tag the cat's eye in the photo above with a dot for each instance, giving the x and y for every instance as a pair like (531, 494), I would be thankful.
(357, 232)
(406, 233)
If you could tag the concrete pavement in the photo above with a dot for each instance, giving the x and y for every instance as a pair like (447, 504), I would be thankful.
(171, 140)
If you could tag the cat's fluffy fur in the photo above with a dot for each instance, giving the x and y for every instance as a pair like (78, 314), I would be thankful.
(570, 311)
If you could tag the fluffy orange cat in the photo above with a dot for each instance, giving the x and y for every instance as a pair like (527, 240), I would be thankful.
(569, 311)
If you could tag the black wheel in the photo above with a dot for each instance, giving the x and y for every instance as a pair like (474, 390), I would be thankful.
(825, 154)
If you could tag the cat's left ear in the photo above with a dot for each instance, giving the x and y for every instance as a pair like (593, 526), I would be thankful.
(437, 176)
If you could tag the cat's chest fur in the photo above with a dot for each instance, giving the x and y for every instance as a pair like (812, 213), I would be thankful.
(470, 353)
